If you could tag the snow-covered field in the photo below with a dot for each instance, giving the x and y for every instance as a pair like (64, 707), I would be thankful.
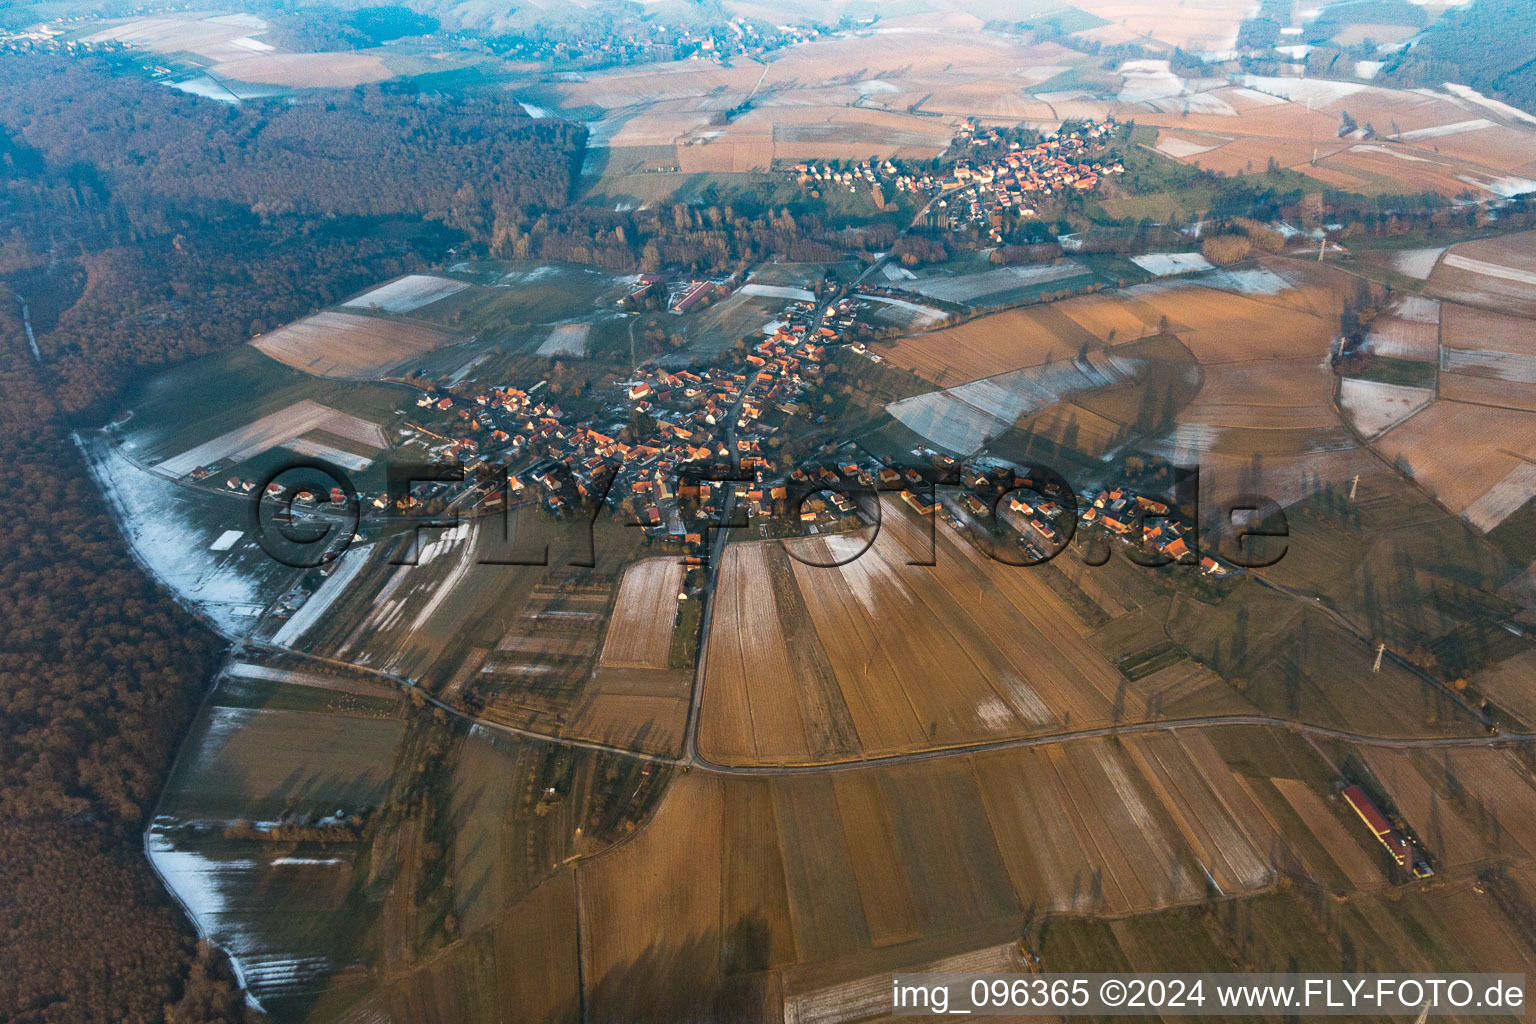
(963, 418)
(406, 293)
(1417, 263)
(969, 287)
(1447, 129)
(1172, 145)
(1503, 499)
(182, 537)
(778, 291)
(1373, 407)
(347, 567)
(1302, 90)
(926, 314)
(566, 340)
(276, 429)
(1163, 264)
(1256, 281)
(1502, 109)
(1487, 269)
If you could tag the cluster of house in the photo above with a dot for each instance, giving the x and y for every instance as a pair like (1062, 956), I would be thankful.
(978, 189)
(720, 42)
(1040, 509)
(1061, 162)
(807, 320)
(1138, 519)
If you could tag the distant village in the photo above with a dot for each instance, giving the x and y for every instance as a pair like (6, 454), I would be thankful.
(979, 190)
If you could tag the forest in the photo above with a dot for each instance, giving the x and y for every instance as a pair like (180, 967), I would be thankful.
(1485, 45)
(100, 672)
(366, 152)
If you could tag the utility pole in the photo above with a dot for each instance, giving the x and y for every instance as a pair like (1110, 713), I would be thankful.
(1380, 650)
(1352, 485)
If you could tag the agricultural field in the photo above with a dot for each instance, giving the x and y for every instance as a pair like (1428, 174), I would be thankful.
(506, 295)
(1431, 141)
(805, 890)
(1495, 273)
(230, 47)
(864, 685)
(405, 294)
(544, 765)
(805, 103)
(1000, 285)
(274, 745)
(348, 345)
(1476, 459)
(502, 616)
(195, 543)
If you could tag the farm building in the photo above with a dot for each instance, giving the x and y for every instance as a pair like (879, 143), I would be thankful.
(1400, 849)
(692, 296)
(919, 504)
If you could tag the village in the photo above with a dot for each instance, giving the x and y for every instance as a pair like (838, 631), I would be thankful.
(1007, 175)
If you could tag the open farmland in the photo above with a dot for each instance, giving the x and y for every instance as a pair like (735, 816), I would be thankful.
(840, 97)
(337, 70)
(1344, 845)
(893, 692)
(230, 43)
(986, 346)
(640, 631)
(984, 288)
(824, 880)
(1443, 142)
(964, 418)
(218, 37)
(1408, 329)
(1373, 407)
(1494, 273)
(247, 761)
(334, 344)
(1477, 460)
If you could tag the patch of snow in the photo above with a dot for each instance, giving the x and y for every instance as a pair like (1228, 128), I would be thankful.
(1504, 109)
(1458, 128)
(565, 340)
(226, 540)
(1172, 145)
(1262, 98)
(172, 530)
(1368, 69)
(1503, 499)
(347, 566)
(1374, 408)
(1506, 186)
(927, 313)
(1417, 263)
(1302, 90)
(1487, 269)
